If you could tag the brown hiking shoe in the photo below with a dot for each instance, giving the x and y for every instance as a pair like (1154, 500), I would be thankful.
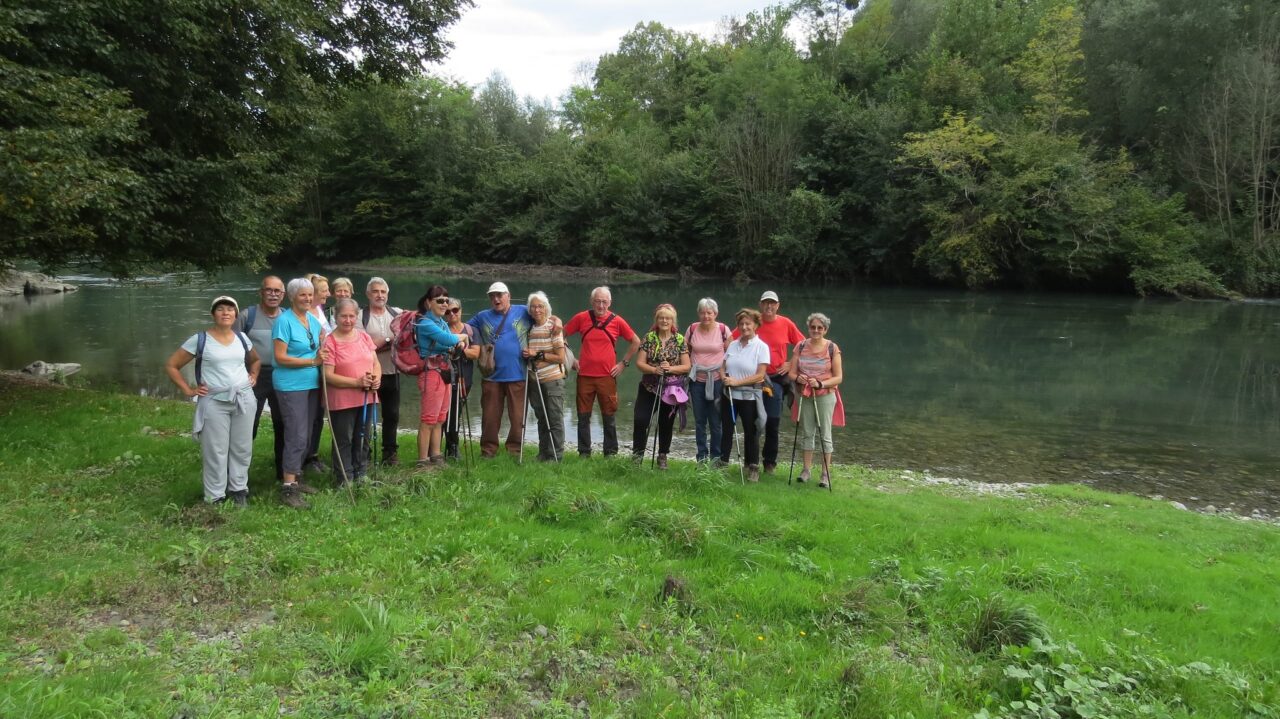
(306, 488)
(662, 461)
(426, 465)
(753, 473)
(291, 496)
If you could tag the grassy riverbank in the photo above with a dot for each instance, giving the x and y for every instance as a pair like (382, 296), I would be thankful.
(536, 591)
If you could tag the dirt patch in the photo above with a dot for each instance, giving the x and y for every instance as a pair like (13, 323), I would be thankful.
(506, 272)
(13, 378)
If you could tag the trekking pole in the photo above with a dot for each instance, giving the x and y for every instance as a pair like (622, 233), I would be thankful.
(362, 432)
(373, 443)
(542, 401)
(463, 396)
(654, 418)
(737, 445)
(524, 414)
(794, 440)
(822, 446)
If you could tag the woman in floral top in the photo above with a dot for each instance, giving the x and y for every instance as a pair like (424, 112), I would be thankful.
(663, 359)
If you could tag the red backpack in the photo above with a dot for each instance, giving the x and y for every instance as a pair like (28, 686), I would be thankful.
(404, 348)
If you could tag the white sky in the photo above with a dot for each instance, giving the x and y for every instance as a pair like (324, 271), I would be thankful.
(541, 45)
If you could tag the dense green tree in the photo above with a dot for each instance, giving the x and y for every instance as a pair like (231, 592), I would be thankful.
(196, 108)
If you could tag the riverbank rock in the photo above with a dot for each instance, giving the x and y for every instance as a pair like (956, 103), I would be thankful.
(15, 282)
(40, 368)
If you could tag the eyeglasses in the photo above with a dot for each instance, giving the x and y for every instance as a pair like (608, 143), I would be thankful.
(271, 291)
(441, 300)
(816, 327)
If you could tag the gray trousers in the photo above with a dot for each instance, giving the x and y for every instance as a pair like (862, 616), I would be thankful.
(350, 442)
(548, 407)
(300, 410)
(226, 446)
(811, 424)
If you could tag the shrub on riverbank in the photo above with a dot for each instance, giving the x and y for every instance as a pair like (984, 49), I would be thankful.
(550, 590)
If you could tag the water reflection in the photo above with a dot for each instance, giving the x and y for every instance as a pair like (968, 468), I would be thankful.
(1176, 398)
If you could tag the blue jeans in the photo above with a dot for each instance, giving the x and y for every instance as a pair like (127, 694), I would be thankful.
(706, 418)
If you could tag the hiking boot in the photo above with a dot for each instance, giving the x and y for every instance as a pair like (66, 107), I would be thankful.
(292, 497)
(452, 454)
(390, 459)
(316, 466)
(718, 463)
(637, 458)
(306, 488)
(425, 465)
(753, 473)
(662, 462)
(826, 480)
(437, 460)
(804, 476)
(241, 498)
(769, 467)
(219, 500)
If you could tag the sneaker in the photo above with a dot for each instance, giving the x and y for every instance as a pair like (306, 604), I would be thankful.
(306, 488)
(637, 458)
(769, 467)
(437, 460)
(390, 460)
(219, 500)
(291, 496)
(753, 473)
(452, 454)
(662, 462)
(425, 465)
(804, 476)
(826, 480)
(316, 466)
(241, 498)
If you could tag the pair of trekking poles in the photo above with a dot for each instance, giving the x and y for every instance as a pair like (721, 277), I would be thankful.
(733, 414)
(532, 371)
(361, 441)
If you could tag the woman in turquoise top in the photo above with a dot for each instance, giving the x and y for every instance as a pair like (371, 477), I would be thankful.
(298, 339)
(434, 340)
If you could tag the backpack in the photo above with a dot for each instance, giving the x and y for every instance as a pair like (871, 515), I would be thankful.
(203, 339)
(404, 348)
(602, 326)
(364, 315)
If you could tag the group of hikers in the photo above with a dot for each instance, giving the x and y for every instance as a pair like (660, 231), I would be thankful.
(347, 364)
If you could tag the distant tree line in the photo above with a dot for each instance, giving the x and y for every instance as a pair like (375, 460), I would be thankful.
(1080, 144)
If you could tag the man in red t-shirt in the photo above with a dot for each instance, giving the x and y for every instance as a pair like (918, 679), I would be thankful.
(780, 334)
(598, 367)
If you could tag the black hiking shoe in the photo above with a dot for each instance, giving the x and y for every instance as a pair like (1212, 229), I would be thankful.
(291, 496)
(240, 499)
(316, 466)
(390, 459)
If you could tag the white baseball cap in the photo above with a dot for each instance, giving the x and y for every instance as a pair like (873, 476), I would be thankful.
(224, 300)
(769, 295)
(498, 287)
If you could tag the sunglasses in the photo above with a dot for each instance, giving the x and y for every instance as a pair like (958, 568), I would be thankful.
(311, 338)
(816, 327)
(441, 300)
(454, 311)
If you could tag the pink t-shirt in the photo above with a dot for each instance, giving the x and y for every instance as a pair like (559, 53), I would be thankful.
(350, 359)
(707, 349)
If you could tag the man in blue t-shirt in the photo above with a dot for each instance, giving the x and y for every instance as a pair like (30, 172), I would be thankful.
(506, 328)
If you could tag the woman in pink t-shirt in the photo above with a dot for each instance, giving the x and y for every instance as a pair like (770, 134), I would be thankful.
(706, 340)
(353, 375)
(817, 371)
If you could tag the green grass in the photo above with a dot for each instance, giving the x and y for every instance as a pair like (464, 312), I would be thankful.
(537, 590)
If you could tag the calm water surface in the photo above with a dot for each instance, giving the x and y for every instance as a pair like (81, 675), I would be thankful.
(1180, 399)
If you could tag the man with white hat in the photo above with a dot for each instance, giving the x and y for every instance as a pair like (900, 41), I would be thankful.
(780, 334)
(502, 329)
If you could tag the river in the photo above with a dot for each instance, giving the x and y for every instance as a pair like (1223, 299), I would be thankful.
(1151, 397)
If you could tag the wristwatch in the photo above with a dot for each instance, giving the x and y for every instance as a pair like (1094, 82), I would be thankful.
(626, 363)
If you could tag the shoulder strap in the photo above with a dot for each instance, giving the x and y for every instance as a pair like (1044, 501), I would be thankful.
(250, 316)
(201, 339)
(244, 342)
(498, 332)
(364, 317)
(393, 311)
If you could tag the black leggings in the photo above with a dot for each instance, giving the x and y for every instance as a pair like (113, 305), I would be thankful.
(644, 411)
(746, 411)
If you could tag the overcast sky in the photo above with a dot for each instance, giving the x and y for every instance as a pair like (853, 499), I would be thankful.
(541, 45)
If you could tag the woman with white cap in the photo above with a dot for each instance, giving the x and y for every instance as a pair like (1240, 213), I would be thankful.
(226, 370)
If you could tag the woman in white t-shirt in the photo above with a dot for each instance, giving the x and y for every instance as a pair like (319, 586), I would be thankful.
(745, 361)
(226, 370)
